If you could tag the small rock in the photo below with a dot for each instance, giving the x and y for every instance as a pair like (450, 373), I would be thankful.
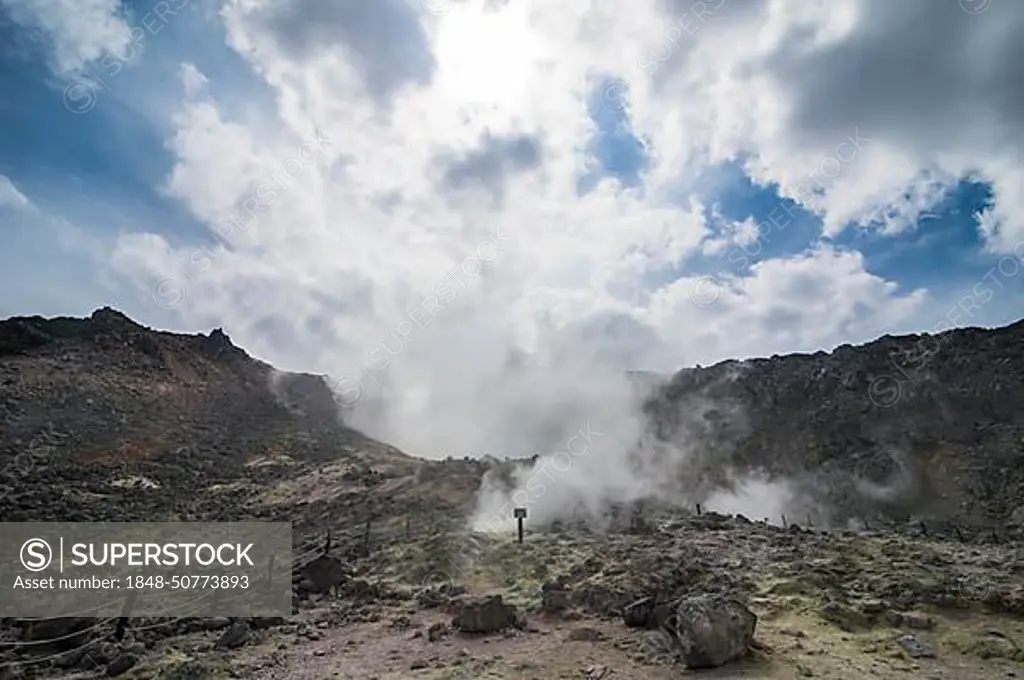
(639, 614)
(844, 617)
(215, 623)
(554, 598)
(916, 648)
(917, 621)
(584, 635)
(235, 636)
(894, 619)
(435, 632)
(121, 665)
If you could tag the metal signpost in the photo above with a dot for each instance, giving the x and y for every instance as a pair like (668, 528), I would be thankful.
(520, 515)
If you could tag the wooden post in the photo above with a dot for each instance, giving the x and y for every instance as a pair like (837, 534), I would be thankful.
(122, 623)
(327, 543)
(698, 509)
(785, 524)
(635, 520)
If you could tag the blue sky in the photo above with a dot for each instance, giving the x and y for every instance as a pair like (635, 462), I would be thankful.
(943, 252)
(96, 175)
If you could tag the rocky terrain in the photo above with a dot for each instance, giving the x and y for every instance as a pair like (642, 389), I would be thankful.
(103, 419)
(902, 428)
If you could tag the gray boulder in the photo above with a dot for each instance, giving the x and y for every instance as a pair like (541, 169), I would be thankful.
(484, 615)
(711, 630)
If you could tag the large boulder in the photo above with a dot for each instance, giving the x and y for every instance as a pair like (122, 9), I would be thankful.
(322, 574)
(711, 630)
(485, 615)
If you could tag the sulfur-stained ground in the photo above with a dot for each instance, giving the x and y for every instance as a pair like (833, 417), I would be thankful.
(829, 606)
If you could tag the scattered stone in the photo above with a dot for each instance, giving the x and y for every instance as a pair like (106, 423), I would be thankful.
(554, 598)
(789, 587)
(263, 622)
(639, 614)
(916, 648)
(436, 632)
(844, 617)
(584, 635)
(917, 620)
(235, 636)
(215, 623)
(893, 618)
(121, 665)
(438, 595)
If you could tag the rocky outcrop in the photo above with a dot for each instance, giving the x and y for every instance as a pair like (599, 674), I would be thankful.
(89, 405)
(916, 425)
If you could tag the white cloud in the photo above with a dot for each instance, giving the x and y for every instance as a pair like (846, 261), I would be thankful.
(10, 196)
(82, 31)
(933, 87)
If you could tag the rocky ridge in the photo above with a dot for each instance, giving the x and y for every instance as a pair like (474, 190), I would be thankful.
(902, 428)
